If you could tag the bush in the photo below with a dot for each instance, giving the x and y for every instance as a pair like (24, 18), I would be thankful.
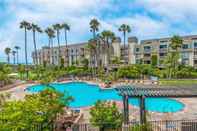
(146, 127)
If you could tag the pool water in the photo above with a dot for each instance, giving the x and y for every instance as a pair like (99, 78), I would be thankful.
(87, 94)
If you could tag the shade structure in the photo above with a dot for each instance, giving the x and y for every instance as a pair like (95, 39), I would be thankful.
(131, 91)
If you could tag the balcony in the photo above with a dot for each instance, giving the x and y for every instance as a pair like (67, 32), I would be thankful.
(147, 50)
(163, 50)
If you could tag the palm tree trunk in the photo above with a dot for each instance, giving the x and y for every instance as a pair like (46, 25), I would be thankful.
(26, 61)
(14, 59)
(52, 53)
(8, 59)
(35, 48)
(94, 34)
(59, 53)
(66, 40)
(17, 56)
(124, 34)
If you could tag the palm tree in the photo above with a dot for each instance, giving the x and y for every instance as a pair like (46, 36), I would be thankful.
(14, 56)
(7, 52)
(176, 44)
(26, 26)
(57, 28)
(51, 34)
(17, 48)
(35, 28)
(108, 37)
(94, 27)
(66, 28)
(125, 29)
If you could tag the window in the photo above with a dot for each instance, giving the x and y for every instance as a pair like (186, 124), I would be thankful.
(162, 54)
(163, 46)
(185, 62)
(147, 55)
(185, 55)
(185, 46)
(147, 48)
(195, 44)
(195, 62)
(137, 49)
(147, 62)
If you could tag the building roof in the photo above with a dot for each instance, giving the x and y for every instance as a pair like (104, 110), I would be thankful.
(132, 91)
(168, 38)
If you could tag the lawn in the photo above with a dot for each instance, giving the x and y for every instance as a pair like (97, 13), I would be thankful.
(178, 82)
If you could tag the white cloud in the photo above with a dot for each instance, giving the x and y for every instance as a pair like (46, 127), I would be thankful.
(78, 13)
(173, 10)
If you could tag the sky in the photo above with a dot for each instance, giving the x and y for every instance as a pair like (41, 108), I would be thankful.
(147, 18)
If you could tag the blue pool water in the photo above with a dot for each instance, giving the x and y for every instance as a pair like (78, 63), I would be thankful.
(87, 94)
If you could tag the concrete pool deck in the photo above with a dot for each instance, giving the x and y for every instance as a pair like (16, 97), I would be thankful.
(189, 111)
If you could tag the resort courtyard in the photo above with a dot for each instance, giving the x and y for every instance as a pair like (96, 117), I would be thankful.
(98, 65)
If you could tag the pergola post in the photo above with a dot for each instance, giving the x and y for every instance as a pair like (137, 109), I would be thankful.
(142, 110)
(126, 110)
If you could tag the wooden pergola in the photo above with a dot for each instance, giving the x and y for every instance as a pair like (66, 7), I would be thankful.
(129, 91)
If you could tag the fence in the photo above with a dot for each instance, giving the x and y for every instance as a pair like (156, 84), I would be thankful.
(174, 125)
(170, 125)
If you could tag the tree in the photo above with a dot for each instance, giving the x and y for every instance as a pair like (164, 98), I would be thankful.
(91, 47)
(51, 34)
(154, 60)
(36, 112)
(35, 28)
(108, 37)
(171, 60)
(26, 26)
(66, 28)
(94, 27)
(4, 71)
(57, 28)
(7, 52)
(14, 56)
(3, 98)
(106, 116)
(17, 48)
(125, 29)
(21, 70)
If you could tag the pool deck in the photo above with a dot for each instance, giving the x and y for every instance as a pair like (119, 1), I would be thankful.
(189, 111)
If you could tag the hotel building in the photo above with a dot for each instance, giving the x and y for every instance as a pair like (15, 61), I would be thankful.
(135, 52)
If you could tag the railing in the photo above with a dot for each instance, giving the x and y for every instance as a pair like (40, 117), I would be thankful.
(170, 125)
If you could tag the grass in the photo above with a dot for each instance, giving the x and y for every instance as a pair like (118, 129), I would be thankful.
(178, 82)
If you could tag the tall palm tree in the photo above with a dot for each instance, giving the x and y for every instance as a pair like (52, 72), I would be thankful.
(26, 26)
(176, 44)
(51, 34)
(125, 29)
(57, 28)
(94, 27)
(66, 28)
(7, 52)
(14, 56)
(17, 48)
(35, 28)
(108, 37)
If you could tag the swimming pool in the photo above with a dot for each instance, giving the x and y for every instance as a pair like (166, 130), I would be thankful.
(87, 94)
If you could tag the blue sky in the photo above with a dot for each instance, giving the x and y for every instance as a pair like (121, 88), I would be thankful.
(148, 19)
